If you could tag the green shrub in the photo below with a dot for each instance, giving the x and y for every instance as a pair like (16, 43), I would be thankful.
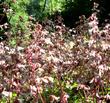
(18, 20)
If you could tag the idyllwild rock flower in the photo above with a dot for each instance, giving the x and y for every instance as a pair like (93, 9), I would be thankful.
(93, 24)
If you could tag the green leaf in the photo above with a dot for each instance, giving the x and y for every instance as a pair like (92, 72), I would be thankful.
(74, 85)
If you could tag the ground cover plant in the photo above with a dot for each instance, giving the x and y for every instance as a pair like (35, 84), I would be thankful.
(57, 64)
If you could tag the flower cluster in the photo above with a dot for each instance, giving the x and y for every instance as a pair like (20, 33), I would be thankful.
(53, 60)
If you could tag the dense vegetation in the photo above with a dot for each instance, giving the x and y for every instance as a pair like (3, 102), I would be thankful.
(43, 59)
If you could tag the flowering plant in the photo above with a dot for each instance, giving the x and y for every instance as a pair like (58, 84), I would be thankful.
(57, 63)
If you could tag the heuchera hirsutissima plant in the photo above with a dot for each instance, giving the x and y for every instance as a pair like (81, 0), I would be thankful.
(54, 68)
